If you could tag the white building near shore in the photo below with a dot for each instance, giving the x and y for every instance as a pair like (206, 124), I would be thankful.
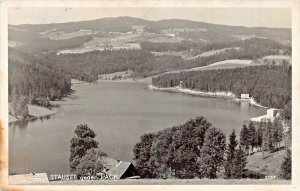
(245, 96)
(270, 116)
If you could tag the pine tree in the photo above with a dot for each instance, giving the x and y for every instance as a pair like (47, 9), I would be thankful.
(14, 101)
(252, 135)
(270, 133)
(278, 132)
(259, 137)
(244, 138)
(238, 164)
(212, 153)
(286, 166)
(267, 138)
(22, 108)
(230, 152)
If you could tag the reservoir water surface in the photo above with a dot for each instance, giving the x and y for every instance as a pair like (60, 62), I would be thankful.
(119, 113)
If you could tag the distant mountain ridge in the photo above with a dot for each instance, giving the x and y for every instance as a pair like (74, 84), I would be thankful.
(46, 37)
(130, 21)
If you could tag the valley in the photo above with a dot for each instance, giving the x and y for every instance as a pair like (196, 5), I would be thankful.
(101, 73)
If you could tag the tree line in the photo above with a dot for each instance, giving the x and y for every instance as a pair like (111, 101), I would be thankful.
(30, 78)
(194, 149)
(264, 136)
(269, 85)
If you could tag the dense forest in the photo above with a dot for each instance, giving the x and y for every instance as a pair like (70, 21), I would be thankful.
(34, 78)
(196, 149)
(87, 66)
(264, 136)
(269, 85)
(251, 48)
(179, 151)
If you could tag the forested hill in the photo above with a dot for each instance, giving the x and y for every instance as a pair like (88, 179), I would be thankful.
(269, 85)
(87, 66)
(34, 78)
(39, 38)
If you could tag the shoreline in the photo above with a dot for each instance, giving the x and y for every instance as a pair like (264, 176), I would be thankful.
(37, 112)
(146, 80)
(227, 95)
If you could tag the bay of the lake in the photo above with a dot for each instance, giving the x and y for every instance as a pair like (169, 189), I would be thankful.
(119, 113)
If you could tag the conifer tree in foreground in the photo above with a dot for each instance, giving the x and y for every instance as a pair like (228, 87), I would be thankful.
(212, 153)
(244, 138)
(286, 166)
(230, 154)
(259, 137)
(277, 132)
(238, 164)
(252, 136)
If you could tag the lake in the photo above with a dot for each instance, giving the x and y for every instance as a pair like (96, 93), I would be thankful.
(119, 113)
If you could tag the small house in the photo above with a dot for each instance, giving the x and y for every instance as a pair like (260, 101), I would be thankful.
(109, 163)
(180, 84)
(138, 29)
(123, 170)
(272, 113)
(245, 96)
(270, 116)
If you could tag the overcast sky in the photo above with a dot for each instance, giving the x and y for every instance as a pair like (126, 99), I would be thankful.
(251, 17)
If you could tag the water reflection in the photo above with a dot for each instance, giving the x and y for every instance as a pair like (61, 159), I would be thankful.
(20, 123)
(244, 105)
(24, 123)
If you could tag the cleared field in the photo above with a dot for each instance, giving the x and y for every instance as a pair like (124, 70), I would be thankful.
(246, 37)
(166, 38)
(277, 58)
(187, 56)
(108, 41)
(212, 53)
(270, 165)
(116, 75)
(62, 35)
(280, 57)
(226, 64)
(170, 53)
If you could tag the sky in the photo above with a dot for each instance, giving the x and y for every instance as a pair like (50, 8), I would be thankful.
(250, 17)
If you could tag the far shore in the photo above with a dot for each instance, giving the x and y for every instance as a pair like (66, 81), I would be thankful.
(147, 80)
(228, 95)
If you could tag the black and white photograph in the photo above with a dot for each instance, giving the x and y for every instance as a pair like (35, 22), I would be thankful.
(149, 95)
